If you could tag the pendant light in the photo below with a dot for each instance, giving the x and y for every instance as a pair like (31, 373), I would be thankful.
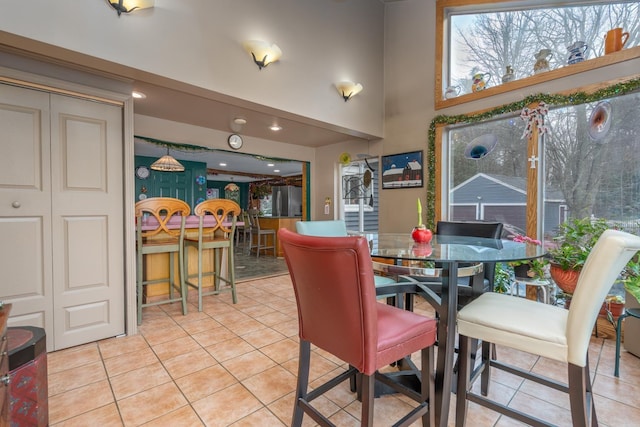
(167, 164)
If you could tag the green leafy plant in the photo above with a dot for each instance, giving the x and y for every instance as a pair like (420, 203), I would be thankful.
(631, 278)
(575, 240)
(536, 266)
(502, 279)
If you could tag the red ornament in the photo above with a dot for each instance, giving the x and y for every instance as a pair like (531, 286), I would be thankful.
(421, 234)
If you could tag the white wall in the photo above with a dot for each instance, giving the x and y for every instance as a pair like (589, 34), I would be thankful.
(408, 79)
(199, 42)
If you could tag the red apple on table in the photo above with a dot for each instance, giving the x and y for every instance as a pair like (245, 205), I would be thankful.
(421, 234)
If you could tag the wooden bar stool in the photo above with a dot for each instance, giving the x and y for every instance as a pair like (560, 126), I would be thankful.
(155, 235)
(261, 236)
(217, 234)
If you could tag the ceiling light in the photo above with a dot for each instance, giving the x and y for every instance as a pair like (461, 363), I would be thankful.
(262, 52)
(275, 128)
(348, 89)
(276, 170)
(240, 121)
(270, 165)
(167, 164)
(138, 95)
(127, 6)
(222, 164)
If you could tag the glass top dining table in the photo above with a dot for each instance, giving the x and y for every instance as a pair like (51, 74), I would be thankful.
(450, 252)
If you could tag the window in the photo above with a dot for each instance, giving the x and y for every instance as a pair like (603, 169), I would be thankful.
(579, 161)
(357, 187)
(519, 40)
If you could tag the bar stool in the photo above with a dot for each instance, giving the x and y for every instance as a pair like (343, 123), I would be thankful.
(262, 236)
(244, 229)
(160, 223)
(217, 234)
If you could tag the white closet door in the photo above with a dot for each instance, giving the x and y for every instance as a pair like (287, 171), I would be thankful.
(61, 215)
(25, 207)
(87, 220)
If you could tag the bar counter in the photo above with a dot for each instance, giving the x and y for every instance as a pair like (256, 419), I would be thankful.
(276, 223)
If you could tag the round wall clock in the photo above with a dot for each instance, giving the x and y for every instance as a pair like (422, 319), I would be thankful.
(235, 141)
(142, 172)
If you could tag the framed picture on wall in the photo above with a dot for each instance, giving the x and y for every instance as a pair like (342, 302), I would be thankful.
(213, 193)
(402, 170)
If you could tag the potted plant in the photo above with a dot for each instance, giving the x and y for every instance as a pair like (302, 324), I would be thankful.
(575, 240)
(631, 278)
(501, 280)
(529, 268)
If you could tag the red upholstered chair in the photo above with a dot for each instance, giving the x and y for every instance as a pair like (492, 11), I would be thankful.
(338, 312)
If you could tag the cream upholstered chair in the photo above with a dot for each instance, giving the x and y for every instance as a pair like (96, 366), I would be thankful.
(217, 237)
(338, 313)
(155, 234)
(545, 330)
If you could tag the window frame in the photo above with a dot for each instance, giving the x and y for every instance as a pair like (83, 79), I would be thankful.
(445, 7)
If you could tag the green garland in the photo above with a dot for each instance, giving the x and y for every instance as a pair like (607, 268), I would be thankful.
(551, 99)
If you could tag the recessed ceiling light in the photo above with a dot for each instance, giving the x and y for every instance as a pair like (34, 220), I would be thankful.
(240, 121)
(223, 164)
(276, 170)
(138, 95)
(270, 165)
(275, 128)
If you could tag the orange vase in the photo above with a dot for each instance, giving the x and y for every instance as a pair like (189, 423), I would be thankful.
(565, 279)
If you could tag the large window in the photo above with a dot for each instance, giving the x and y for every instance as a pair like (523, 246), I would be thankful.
(525, 41)
(573, 161)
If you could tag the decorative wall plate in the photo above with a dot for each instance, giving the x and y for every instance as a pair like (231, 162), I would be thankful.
(600, 120)
(480, 146)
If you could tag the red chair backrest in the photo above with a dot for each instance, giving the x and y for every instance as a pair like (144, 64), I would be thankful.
(335, 294)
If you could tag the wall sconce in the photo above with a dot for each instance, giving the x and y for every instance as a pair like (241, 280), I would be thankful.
(262, 53)
(127, 6)
(348, 89)
(167, 164)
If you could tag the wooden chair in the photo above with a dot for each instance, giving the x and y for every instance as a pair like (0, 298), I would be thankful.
(243, 230)
(338, 312)
(261, 236)
(216, 236)
(544, 330)
(155, 235)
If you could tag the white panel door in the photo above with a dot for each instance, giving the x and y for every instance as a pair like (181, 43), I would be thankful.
(25, 206)
(87, 218)
(61, 215)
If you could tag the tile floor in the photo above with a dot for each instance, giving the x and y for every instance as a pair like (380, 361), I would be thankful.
(235, 365)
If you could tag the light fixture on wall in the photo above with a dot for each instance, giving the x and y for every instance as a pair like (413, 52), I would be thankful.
(262, 52)
(127, 6)
(167, 164)
(348, 89)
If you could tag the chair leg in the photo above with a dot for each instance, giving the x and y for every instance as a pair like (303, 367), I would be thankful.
(183, 280)
(231, 274)
(199, 278)
(581, 397)
(303, 382)
(139, 278)
(616, 372)
(368, 391)
(428, 390)
(464, 371)
(485, 376)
